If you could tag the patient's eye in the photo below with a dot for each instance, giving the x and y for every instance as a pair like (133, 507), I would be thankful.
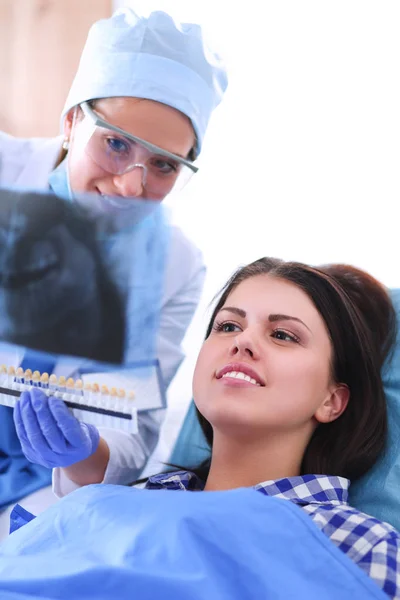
(285, 336)
(226, 326)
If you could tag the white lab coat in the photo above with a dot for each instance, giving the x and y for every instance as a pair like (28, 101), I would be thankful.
(27, 163)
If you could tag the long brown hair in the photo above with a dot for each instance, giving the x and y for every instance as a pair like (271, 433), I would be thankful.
(361, 322)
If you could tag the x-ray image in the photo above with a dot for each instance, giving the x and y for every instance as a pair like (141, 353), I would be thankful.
(67, 288)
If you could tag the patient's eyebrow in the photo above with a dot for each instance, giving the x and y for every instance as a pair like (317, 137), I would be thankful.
(278, 317)
(233, 309)
(272, 318)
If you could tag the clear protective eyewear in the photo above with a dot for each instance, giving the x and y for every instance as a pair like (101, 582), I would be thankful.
(118, 152)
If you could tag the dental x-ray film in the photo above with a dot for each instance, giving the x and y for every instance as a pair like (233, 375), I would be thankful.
(80, 297)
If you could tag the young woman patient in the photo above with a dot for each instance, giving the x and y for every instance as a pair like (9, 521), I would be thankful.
(289, 394)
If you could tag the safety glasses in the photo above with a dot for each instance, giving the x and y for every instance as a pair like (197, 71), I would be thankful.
(119, 152)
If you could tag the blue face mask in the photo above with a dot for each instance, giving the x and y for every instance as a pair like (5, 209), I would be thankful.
(59, 181)
(117, 214)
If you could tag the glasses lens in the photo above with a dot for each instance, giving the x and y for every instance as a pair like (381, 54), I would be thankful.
(119, 155)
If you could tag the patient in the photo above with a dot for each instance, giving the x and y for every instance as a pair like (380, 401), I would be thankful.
(289, 395)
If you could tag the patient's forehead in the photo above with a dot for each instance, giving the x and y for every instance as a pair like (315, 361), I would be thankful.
(263, 295)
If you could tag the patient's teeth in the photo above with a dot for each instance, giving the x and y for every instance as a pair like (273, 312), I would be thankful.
(240, 375)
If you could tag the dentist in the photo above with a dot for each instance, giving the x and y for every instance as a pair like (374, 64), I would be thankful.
(134, 123)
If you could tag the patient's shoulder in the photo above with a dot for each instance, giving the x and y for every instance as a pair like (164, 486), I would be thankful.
(353, 531)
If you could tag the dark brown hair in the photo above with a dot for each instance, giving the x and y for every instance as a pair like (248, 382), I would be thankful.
(361, 323)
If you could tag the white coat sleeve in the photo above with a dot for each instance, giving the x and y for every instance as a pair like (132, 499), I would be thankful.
(11, 163)
(129, 453)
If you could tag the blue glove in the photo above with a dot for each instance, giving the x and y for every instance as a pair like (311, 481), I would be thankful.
(49, 434)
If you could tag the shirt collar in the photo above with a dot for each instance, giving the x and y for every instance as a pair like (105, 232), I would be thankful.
(304, 489)
(308, 489)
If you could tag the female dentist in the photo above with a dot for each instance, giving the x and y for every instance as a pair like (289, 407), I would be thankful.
(159, 83)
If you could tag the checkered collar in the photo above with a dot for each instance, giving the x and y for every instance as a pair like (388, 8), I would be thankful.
(304, 489)
(308, 489)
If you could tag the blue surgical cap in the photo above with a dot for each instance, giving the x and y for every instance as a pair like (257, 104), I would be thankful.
(154, 58)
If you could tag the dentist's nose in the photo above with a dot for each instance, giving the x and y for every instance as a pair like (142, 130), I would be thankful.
(131, 184)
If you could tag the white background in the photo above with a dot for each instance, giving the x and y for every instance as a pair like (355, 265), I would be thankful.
(301, 161)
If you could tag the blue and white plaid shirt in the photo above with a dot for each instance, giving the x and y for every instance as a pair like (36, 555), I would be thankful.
(374, 546)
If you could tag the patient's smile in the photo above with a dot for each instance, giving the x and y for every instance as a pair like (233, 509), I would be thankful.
(240, 376)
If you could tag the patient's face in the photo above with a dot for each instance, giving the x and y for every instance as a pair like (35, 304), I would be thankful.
(270, 332)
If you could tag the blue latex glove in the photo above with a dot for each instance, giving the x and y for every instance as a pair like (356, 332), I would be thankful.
(49, 434)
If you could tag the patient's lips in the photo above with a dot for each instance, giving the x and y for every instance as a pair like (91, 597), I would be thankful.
(239, 375)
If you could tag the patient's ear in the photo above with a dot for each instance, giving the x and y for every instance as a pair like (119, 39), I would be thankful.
(334, 404)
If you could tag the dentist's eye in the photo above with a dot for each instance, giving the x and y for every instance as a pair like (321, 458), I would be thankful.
(226, 326)
(117, 146)
(284, 336)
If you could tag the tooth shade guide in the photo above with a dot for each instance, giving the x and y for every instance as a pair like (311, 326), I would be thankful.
(118, 417)
(100, 404)
(82, 395)
(70, 383)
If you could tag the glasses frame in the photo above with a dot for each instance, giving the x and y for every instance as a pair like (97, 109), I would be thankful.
(99, 122)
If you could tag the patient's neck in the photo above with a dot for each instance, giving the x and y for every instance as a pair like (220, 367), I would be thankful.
(244, 463)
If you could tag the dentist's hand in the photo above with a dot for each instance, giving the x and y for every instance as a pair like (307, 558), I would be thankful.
(49, 434)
